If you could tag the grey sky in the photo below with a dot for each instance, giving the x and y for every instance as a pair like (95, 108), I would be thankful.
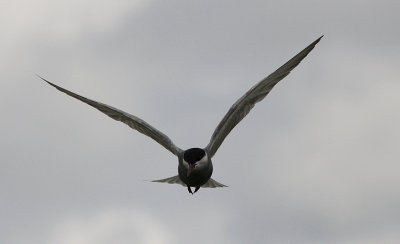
(316, 162)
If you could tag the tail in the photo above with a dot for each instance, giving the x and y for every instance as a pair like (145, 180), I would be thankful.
(176, 180)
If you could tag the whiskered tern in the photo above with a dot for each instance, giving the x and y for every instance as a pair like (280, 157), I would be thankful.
(195, 167)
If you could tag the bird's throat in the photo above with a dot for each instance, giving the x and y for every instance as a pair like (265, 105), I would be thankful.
(190, 169)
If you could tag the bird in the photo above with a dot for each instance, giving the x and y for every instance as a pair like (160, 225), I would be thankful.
(194, 164)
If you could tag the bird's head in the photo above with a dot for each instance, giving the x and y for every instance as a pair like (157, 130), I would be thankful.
(194, 159)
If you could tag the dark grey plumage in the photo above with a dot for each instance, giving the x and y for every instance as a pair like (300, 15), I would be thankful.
(195, 166)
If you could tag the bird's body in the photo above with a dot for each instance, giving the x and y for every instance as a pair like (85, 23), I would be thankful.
(195, 166)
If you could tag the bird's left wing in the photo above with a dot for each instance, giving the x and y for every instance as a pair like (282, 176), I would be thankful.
(257, 93)
(129, 119)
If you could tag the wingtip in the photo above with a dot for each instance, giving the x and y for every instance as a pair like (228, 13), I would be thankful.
(42, 78)
(48, 82)
(313, 44)
(319, 38)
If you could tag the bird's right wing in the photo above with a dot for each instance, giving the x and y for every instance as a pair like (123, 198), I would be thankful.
(257, 93)
(129, 119)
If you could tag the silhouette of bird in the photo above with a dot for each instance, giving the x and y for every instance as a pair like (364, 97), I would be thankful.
(195, 167)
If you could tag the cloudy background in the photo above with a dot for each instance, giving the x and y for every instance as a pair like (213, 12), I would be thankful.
(316, 162)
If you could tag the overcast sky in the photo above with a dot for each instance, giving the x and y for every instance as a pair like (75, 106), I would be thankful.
(317, 161)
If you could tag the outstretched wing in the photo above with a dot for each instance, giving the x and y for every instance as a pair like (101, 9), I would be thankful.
(129, 119)
(257, 93)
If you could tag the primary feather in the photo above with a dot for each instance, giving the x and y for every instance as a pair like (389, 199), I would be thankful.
(129, 119)
(257, 93)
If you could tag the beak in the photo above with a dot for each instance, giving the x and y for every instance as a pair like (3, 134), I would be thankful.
(190, 169)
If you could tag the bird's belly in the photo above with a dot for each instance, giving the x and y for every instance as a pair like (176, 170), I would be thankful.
(195, 178)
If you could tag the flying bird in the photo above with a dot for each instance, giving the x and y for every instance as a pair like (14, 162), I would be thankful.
(195, 167)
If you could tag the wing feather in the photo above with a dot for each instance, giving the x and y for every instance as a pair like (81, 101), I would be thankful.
(129, 119)
(257, 93)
